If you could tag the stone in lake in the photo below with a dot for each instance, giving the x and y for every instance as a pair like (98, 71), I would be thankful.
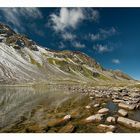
(117, 101)
(111, 119)
(123, 112)
(106, 128)
(34, 129)
(59, 122)
(96, 105)
(103, 111)
(67, 117)
(95, 118)
(69, 128)
(129, 123)
(88, 107)
(126, 106)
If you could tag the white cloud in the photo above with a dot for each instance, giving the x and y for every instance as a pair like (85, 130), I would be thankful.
(102, 34)
(13, 15)
(102, 48)
(115, 61)
(78, 45)
(61, 46)
(68, 36)
(71, 17)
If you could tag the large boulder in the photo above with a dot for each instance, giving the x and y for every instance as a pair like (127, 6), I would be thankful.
(129, 123)
(123, 112)
(95, 118)
(126, 106)
(103, 111)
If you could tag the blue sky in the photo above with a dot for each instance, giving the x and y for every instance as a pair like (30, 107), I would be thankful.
(109, 35)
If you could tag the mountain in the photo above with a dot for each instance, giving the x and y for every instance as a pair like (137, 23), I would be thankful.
(24, 61)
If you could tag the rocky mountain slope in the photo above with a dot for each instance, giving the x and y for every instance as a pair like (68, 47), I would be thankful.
(22, 61)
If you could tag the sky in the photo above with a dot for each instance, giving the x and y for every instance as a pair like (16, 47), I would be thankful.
(109, 35)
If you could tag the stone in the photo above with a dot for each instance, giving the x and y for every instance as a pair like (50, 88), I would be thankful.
(91, 97)
(111, 119)
(126, 106)
(96, 105)
(117, 101)
(123, 112)
(67, 117)
(129, 123)
(103, 111)
(106, 128)
(69, 128)
(95, 118)
(59, 122)
(87, 107)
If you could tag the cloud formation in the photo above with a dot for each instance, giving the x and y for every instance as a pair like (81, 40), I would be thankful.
(79, 45)
(67, 36)
(115, 61)
(102, 48)
(102, 34)
(71, 17)
(13, 15)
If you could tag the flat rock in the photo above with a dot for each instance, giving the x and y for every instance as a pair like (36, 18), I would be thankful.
(103, 111)
(129, 123)
(69, 128)
(123, 112)
(106, 128)
(95, 118)
(117, 101)
(126, 106)
(111, 119)
(96, 105)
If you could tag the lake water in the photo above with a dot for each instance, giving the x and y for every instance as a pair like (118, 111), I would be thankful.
(47, 103)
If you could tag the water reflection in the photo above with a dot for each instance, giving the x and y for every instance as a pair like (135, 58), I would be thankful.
(16, 101)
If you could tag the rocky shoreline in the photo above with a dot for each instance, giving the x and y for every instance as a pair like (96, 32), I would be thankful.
(90, 113)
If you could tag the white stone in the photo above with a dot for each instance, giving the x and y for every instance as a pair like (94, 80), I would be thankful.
(126, 106)
(94, 118)
(67, 117)
(129, 123)
(123, 112)
(111, 120)
(103, 111)
(96, 105)
(107, 127)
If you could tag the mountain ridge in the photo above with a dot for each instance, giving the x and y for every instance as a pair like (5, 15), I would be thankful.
(23, 61)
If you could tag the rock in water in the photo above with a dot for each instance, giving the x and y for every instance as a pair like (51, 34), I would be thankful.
(94, 118)
(111, 120)
(126, 106)
(67, 117)
(69, 128)
(107, 128)
(122, 112)
(103, 111)
(129, 123)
